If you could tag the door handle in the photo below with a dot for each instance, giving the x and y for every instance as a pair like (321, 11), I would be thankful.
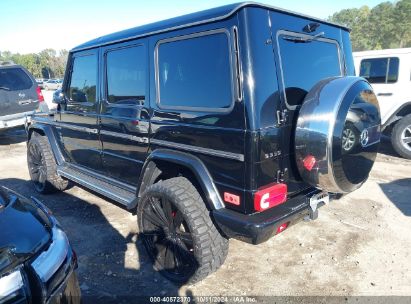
(384, 94)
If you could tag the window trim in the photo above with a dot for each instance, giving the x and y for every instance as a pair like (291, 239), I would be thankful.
(93, 52)
(105, 78)
(301, 35)
(186, 37)
(386, 71)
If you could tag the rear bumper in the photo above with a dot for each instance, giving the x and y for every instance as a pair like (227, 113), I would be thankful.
(260, 227)
(15, 120)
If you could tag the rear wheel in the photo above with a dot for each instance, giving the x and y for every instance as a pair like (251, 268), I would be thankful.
(43, 167)
(178, 232)
(401, 137)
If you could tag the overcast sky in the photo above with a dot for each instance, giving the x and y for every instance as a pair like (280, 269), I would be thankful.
(32, 25)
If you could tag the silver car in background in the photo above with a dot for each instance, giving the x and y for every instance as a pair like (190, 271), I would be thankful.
(52, 84)
(20, 96)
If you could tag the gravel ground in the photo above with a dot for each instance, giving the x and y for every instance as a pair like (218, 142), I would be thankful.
(359, 246)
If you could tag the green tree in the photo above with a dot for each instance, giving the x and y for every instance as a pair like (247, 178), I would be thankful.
(387, 25)
(402, 21)
(47, 64)
(382, 26)
(357, 20)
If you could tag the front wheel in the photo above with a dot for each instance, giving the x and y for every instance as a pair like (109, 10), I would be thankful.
(401, 137)
(178, 232)
(43, 167)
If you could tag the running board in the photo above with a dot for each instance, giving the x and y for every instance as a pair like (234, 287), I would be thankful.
(119, 192)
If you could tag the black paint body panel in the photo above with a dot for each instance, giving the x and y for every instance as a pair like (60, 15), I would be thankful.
(242, 149)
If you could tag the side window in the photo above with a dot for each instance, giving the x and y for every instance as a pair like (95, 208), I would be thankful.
(83, 79)
(126, 75)
(380, 70)
(393, 65)
(194, 73)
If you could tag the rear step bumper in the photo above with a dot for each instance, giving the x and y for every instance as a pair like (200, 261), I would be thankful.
(260, 227)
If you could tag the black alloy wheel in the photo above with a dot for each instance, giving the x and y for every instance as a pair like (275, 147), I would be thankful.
(42, 166)
(168, 239)
(37, 167)
(178, 232)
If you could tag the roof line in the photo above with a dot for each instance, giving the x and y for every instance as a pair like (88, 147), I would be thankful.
(200, 22)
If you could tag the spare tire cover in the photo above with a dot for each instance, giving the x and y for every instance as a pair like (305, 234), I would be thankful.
(337, 134)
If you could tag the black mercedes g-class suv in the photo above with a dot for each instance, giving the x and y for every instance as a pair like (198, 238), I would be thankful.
(227, 123)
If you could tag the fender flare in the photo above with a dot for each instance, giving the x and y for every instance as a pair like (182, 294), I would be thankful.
(394, 116)
(191, 162)
(46, 130)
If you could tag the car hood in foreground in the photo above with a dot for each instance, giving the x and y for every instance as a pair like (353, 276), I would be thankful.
(24, 230)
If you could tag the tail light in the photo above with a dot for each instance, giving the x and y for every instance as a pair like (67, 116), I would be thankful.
(40, 96)
(270, 196)
(134, 122)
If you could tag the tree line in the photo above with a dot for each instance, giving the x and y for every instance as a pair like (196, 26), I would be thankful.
(387, 25)
(48, 63)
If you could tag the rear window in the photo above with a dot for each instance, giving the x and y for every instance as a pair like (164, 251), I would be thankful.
(380, 70)
(306, 62)
(194, 73)
(14, 79)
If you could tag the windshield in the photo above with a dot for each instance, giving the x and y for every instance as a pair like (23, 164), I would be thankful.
(305, 60)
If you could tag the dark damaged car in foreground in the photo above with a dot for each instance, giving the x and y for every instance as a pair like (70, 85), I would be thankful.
(37, 262)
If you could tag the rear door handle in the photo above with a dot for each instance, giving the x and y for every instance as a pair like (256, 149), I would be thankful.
(384, 94)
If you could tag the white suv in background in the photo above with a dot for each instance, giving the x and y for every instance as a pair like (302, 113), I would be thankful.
(389, 72)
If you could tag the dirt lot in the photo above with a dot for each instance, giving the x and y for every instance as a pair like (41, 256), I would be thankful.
(360, 245)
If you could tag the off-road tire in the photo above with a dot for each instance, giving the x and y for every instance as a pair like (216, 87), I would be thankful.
(210, 247)
(53, 182)
(396, 140)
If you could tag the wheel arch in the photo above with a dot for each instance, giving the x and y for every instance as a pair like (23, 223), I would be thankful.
(46, 130)
(180, 162)
(402, 111)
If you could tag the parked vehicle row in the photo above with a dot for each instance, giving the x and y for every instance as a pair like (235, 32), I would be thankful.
(49, 84)
(209, 126)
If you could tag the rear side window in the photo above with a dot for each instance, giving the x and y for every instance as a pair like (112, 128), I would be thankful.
(126, 75)
(305, 62)
(14, 79)
(380, 70)
(83, 79)
(194, 73)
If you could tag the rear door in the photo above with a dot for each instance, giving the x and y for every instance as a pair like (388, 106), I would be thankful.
(125, 118)
(305, 52)
(17, 91)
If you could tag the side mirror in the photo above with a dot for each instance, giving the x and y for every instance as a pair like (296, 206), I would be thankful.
(58, 97)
